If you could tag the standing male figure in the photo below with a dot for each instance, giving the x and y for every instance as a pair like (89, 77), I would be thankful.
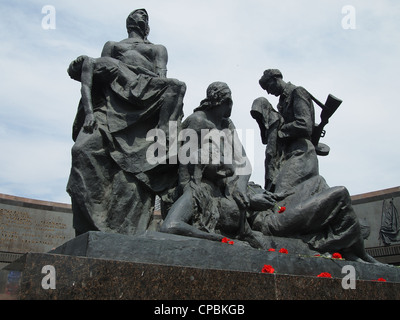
(293, 123)
(112, 185)
(320, 215)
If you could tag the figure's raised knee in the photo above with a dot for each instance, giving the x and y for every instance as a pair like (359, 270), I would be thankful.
(339, 194)
(170, 227)
(178, 85)
(165, 227)
(341, 190)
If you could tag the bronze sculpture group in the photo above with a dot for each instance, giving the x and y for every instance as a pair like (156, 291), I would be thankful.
(125, 94)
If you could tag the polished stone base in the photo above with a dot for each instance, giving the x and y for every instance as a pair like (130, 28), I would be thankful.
(156, 266)
(173, 250)
(93, 279)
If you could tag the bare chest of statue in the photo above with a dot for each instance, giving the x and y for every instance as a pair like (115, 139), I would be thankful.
(136, 53)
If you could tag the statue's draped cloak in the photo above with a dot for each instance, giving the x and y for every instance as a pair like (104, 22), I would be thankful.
(112, 185)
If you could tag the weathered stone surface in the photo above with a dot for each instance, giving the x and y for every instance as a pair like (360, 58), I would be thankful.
(81, 278)
(28, 225)
(173, 250)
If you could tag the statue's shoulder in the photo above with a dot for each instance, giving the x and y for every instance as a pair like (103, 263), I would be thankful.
(196, 121)
(162, 52)
(159, 47)
(300, 91)
(195, 117)
(108, 48)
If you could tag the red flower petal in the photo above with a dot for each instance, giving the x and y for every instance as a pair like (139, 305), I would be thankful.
(225, 240)
(337, 255)
(382, 280)
(283, 250)
(231, 242)
(267, 269)
(281, 209)
(271, 249)
(324, 275)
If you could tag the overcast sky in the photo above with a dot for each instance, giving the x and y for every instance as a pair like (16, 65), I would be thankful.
(348, 48)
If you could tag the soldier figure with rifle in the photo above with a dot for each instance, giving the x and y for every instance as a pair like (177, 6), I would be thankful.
(294, 123)
(320, 215)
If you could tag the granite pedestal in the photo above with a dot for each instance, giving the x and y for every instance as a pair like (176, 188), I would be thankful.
(155, 266)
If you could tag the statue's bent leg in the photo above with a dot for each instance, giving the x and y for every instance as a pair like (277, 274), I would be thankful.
(172, 100)
(326, 220)
(179, 217)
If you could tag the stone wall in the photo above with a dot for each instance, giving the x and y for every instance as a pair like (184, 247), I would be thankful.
(375, 210)
(28, 225)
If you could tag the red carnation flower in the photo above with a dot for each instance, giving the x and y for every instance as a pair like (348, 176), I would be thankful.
(283, 250)
(225, 240)
(271, 249)
(281, 209)
(337, 255)
(324, 275)
(267, 269)
(381, 279)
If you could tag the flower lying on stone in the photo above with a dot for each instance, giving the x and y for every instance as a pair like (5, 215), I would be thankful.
(381, 280)
(267, 269)
(282, 250)
(324, 275)
(227, 240)
(337, 255)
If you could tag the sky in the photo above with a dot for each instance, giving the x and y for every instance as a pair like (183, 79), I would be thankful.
(350, 49)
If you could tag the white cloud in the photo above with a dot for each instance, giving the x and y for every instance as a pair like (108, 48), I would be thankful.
(34, 164)
(231, 41)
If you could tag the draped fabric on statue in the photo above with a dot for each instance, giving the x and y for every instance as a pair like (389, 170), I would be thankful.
(112, 160)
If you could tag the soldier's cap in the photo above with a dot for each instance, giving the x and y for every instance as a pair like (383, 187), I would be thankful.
(268, 75)
(272, 73)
